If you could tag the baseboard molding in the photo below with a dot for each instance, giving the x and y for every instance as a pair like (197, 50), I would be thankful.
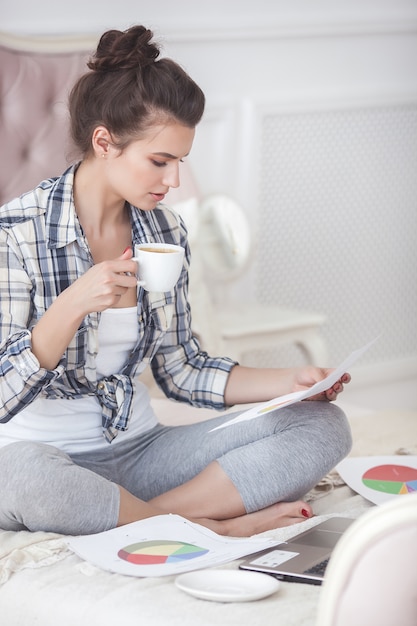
(385, 372)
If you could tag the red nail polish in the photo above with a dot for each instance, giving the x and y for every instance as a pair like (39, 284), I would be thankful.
(305, 513)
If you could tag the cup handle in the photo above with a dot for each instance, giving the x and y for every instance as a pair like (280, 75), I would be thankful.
(139, 283)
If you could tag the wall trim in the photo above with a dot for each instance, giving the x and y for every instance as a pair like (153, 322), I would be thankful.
(292, 31)
(227, 31)
(391, 371)
(331, 102)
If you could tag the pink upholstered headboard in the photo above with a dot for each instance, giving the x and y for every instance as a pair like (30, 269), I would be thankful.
(35, 78)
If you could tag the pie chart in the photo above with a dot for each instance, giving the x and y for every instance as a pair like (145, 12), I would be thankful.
(160, 551)
(391, 479)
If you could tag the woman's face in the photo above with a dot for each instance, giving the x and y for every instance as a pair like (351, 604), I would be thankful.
(146, 169)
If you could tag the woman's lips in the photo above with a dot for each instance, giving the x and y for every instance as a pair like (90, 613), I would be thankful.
(158, 197)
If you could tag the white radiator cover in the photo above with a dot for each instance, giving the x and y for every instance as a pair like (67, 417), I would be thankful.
(338, 224)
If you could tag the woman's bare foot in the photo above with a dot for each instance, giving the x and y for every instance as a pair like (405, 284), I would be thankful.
(275, 516)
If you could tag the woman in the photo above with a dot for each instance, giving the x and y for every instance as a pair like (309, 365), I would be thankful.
(81, 450)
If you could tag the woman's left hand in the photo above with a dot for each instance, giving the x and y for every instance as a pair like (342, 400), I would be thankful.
(306, 377)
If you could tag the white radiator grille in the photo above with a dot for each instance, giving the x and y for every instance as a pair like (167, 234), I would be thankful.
(338, 224)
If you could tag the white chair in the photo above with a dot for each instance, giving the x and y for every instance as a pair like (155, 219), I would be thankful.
(263, 328)
(372, 575)
(221, 245)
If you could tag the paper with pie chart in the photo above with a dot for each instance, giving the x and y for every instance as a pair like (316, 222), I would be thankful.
(282, 401)
(161, 546)
(380, 478)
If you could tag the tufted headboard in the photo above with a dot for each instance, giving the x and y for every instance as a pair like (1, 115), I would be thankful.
(35, 78)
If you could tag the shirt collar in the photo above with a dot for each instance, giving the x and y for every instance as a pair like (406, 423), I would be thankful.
(62, 225)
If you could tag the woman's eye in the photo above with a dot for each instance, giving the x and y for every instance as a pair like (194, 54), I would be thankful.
(163, 163)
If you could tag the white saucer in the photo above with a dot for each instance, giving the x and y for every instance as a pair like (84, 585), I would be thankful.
(227, 585)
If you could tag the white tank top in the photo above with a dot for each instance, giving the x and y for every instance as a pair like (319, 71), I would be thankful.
(75, 425)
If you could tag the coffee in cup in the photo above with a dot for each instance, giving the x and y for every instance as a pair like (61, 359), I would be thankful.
(159, 265)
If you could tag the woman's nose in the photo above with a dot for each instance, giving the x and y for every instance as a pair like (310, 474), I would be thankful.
(172, 176)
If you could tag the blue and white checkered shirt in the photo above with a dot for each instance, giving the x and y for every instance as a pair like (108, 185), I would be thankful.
(42, 251)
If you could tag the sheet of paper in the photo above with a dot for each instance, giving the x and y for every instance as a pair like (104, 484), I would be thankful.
(162, 546)
(380, 478)
(291, 398)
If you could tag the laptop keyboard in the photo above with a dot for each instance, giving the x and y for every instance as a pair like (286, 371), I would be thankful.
(318, 569)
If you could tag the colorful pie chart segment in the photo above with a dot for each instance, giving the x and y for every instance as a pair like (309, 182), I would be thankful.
(159, 551)
(391, 479)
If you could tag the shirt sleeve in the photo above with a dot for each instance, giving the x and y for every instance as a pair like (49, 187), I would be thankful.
(21, 377)
(182, 370)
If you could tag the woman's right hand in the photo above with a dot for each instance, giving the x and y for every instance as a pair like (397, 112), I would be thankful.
(102, 286)
(99, 288)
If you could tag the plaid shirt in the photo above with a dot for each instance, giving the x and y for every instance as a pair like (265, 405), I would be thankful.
(42, 251)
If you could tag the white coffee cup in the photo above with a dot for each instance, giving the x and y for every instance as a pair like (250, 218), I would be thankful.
(159, 265)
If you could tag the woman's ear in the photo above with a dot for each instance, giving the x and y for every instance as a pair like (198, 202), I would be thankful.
(101, 141)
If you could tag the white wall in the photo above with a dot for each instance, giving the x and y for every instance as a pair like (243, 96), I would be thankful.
(311, 124)
(182, 17)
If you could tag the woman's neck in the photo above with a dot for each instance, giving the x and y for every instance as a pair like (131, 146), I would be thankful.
(96, 205)
(105, 220)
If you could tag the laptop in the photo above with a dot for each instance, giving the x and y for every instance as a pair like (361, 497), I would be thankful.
(303, 558)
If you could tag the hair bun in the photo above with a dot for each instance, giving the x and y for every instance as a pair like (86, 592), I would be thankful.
(126, 50)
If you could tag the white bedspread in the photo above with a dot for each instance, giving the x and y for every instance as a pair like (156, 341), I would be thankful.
(43, 582)
(28, 550)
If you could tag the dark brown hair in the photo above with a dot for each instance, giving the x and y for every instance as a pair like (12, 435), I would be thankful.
(128, 89)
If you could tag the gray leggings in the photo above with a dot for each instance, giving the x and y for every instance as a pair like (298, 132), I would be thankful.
(274, 458)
